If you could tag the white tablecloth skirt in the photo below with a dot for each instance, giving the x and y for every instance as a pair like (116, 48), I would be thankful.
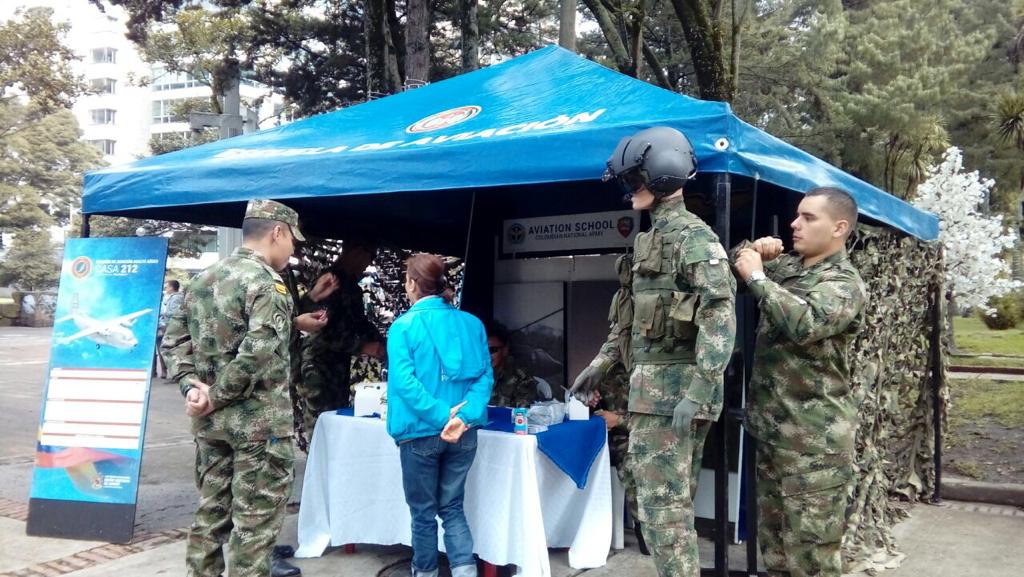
(518, 503)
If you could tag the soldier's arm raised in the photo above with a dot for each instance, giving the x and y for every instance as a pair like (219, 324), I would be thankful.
(176, 348)
(269, 322)
(827, 309)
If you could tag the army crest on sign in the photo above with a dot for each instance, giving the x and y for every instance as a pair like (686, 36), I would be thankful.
(625, 226)
(516, 234)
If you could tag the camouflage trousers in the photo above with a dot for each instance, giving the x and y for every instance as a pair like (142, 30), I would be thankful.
(801, 503)
(243, 489)
(618, 452)
(324, 386)
(665, 469)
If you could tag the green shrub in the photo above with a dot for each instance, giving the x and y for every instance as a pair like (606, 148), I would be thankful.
(1007, 312)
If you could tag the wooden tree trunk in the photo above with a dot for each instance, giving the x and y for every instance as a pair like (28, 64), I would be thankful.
(567, 25)
(417, 41)
(382, 75)
(610, 31)
(396, 40)
(704, 37)
(470, 36)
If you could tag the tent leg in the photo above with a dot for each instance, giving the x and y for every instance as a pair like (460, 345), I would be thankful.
(85, 226)
(936, 362)
(723, 200)
(750, 477)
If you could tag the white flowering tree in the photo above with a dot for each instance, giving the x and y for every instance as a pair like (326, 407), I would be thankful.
(973, 241)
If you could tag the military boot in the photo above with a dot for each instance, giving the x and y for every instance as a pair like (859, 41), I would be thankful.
(281, 568)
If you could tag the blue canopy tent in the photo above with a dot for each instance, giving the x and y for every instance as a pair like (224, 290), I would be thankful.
(435, 167)
(545, 122)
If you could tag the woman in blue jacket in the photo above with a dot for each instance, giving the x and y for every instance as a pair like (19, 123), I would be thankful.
(439, 382)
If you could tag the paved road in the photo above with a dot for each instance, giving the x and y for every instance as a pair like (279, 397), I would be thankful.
(166, 494)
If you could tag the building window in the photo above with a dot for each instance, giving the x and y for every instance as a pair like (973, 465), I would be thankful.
(103, 116)
(103, 85)
(101, 55)
(164, 111)
(163, 80)
(105, 146)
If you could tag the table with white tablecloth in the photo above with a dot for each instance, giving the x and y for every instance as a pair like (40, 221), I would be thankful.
(518, 503)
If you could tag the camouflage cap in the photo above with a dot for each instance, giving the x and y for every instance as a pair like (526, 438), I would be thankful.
(273, 210)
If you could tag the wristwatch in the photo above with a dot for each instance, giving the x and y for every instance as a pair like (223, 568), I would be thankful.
(756, 276)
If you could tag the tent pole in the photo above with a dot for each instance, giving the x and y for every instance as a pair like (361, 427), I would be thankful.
(469, 228)
(723, 200)
(936, 362)
(749, 479)
(85, 225)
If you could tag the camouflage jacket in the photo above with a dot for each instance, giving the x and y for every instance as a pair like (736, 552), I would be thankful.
(684, 298)
(347, 326)
(800, 395)
(513, 387)
(233, 332)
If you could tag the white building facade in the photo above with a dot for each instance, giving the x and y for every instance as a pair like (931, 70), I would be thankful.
(130, 100)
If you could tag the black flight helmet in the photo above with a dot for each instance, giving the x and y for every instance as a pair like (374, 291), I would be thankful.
(661, 158)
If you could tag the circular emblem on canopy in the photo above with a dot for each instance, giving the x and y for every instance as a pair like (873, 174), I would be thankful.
(444, 119)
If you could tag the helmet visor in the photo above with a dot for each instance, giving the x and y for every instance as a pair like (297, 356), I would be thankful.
(631, 181)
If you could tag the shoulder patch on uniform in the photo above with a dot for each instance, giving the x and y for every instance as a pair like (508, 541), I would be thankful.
(702, 246)
(279, 287)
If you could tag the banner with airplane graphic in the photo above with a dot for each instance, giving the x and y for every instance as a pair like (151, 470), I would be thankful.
(93, 420)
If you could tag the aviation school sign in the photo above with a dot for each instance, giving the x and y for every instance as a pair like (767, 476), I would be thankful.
(93, 421)
(571, 232)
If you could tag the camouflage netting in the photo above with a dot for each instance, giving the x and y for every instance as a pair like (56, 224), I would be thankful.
(893, 377)
(383, 285)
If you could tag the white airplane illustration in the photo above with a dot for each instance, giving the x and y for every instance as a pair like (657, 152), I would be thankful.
(115, 332)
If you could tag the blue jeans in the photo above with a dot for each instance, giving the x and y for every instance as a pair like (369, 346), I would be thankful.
(434, 478)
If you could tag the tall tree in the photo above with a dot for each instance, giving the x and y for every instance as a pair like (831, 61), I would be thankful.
(382, 74)
(207, 44)
(898, 76)
(31, 264)
(712, 30)
(42, 159)
(567, 25)
(470, 28)
(35, 63)
(417, 41)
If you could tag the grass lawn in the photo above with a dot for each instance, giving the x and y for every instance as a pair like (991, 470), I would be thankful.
(972, 336)
(986, 429)
(1001, 401)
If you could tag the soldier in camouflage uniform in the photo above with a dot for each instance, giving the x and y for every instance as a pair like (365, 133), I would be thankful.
(513, 386)
(613, 396)
(227, 347)
(801, 409)
(681, 339)
(327, 355)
